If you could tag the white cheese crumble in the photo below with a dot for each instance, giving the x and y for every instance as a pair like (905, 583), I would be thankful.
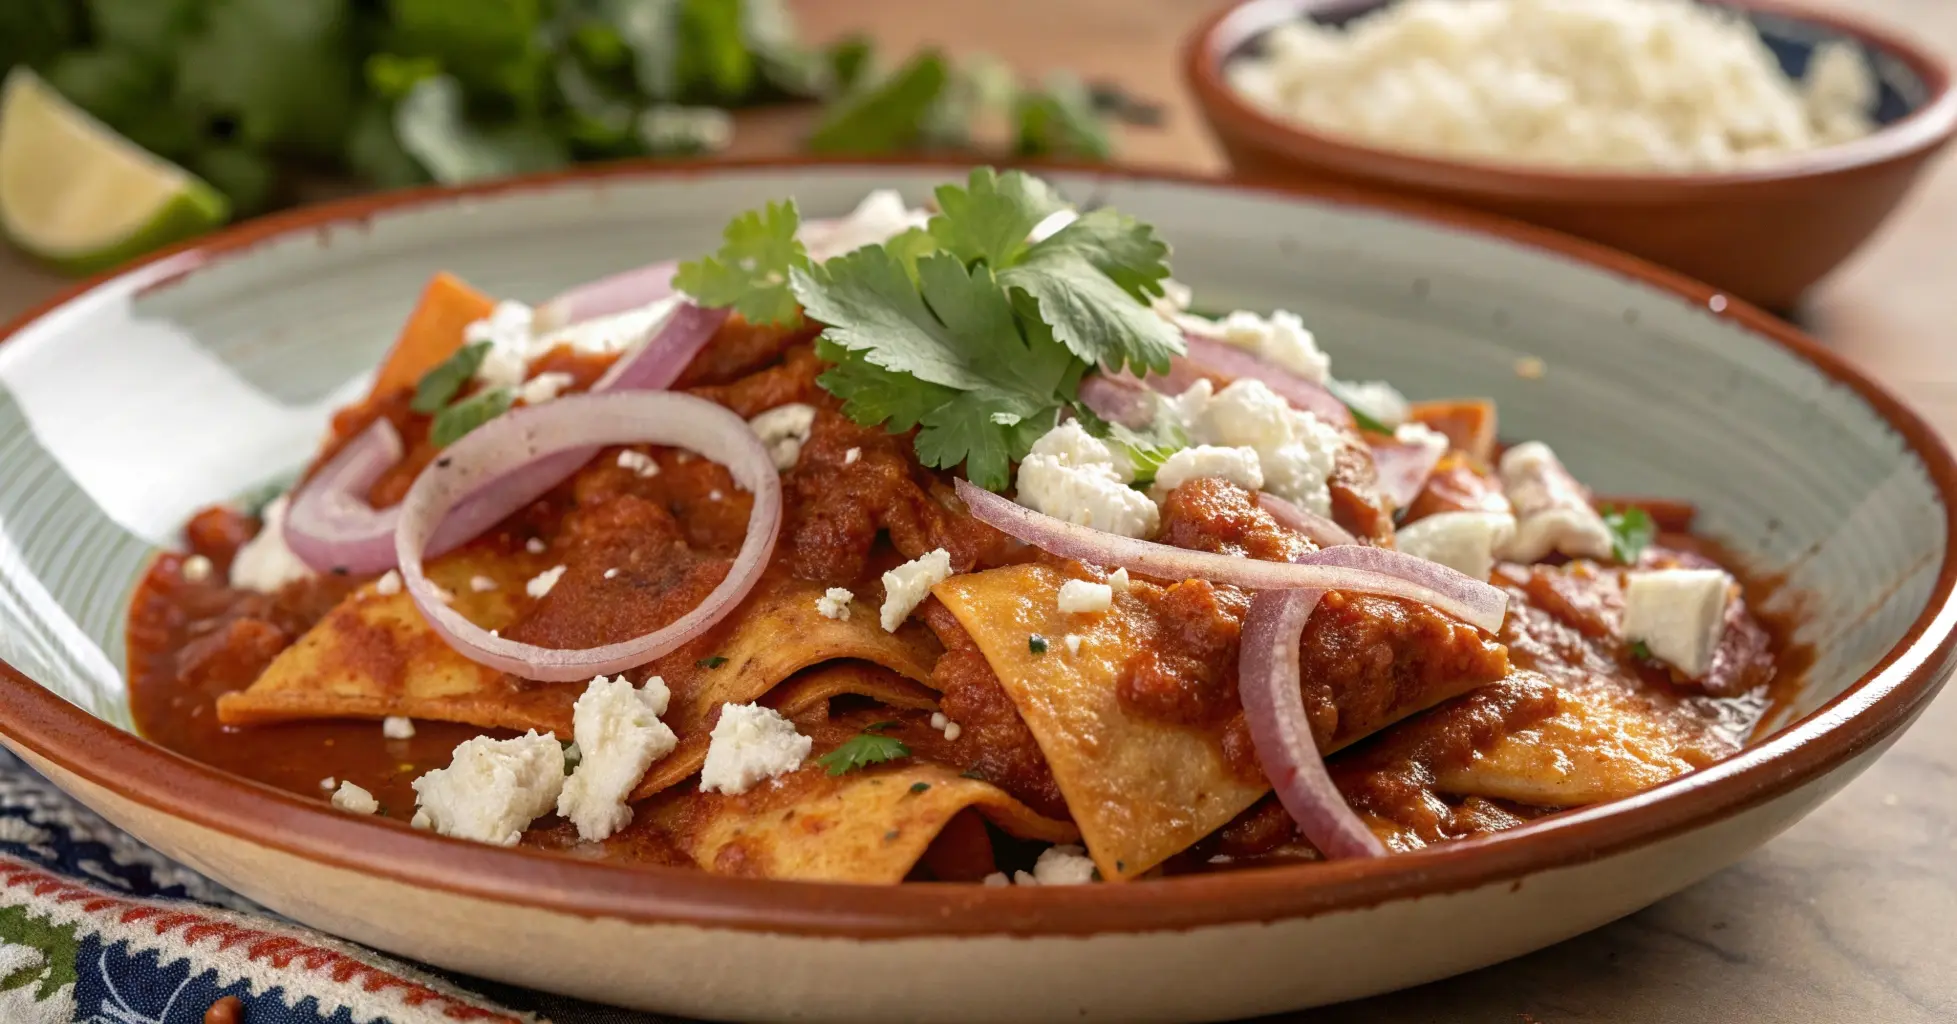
(265, 564)
(1463, 541)
(611, 573)
(1377, 399)
(1639, 84)
(493, 789)
(197, 568)
(1421, 435)
(1072, 640)
(1238, 465)
(1118, 579)
(1074, 476)
(750, 743)
(906, 587)
(783, 430)
(953, 730)
(636, 461)
(481, 584)
(1280, 338)
(389, 584)
(542, 583)
(1296, 450)
(536, 545)
(1082, 596)
(1678, 614)
(850, 457)
(514, 342)
(328, 782)
(618, 736)
(996, 879)
(398, 727)
(1059, 865)
(834, 604)
(544, 387)
(1552, 512)
(939, 721)
(355, 800)
(715, 495)
(507, 330)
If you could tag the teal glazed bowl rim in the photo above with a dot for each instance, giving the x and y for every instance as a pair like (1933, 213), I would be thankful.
(1861, 718)
(1221, 35)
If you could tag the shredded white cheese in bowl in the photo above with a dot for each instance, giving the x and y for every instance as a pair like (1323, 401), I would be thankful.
(1637, 85)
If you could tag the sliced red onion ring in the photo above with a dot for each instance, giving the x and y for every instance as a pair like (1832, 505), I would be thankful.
(330, 525)
(1403, 469)
(333, 529)
(1274, 707)
(1479, 605)
(1231, 361)
(1120, 400)
(625, 290)
(577, 422)
(1316, 528)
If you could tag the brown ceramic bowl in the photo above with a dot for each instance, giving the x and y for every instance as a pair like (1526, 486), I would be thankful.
(1766, 234)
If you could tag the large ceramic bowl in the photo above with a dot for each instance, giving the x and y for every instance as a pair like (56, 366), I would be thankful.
(1767, 233)
(187, 379)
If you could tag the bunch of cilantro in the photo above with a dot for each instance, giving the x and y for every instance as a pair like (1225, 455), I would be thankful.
(261, 96)
(966, 330)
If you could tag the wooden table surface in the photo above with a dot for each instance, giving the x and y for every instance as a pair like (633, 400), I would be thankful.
(1852, 914)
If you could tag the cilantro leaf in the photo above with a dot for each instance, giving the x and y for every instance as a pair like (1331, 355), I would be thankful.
(991, 216)
(872, 394)
(887, 116)
(752, 270)
(861, 751)
(1123, 248)
(1060, 120)
(1641, 650)
(1631, 531)
(440, 384)
(1092, 315)
(456, 421)
(434, 128)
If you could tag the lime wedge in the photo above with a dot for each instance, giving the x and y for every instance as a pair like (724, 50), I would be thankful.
(82, 198)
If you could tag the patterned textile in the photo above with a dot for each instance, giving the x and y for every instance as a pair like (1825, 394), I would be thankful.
(97, 928)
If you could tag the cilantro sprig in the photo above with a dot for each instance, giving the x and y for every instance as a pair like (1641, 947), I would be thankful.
(1631, 531)
(861, 751)
(976, 335)
(456, 421)
(750, 271)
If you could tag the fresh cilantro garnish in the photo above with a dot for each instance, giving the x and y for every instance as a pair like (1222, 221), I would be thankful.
(751, 270)
(972, 773)
(888, 116)
(1060, 120)
(441, 384)
(714, 661)
(861, 751)
(456, 421)
(1365, 420)
(880, 726)
(1640, 650)
(1036, 644)
(919, 787)
(1631, 531)
(1147, 447)
(976, 334)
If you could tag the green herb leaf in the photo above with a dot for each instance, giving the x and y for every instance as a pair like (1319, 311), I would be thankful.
(1640, 650)
(434, 128)
(919, 787)
(441, 384)
(1631, 531)
(988, 219)
(861, 751)
(886, 117)
(1060, 121)
(1036, 644)
(850, 61)
(715, 661)
(455, 422)
(1363, 419)
(752, 269)
(880, 726)
(279, 73)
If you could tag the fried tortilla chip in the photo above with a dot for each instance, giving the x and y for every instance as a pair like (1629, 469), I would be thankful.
(374, 655)
(867, 826)
(797, 698)
(1605, 742)
(1140, 789)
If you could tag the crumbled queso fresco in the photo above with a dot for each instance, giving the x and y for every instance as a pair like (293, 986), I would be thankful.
(1635, 84)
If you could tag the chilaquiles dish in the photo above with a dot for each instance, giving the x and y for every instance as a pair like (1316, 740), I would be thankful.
(939, 545)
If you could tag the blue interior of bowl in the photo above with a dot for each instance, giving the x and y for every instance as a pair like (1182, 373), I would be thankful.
(1792, 40)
